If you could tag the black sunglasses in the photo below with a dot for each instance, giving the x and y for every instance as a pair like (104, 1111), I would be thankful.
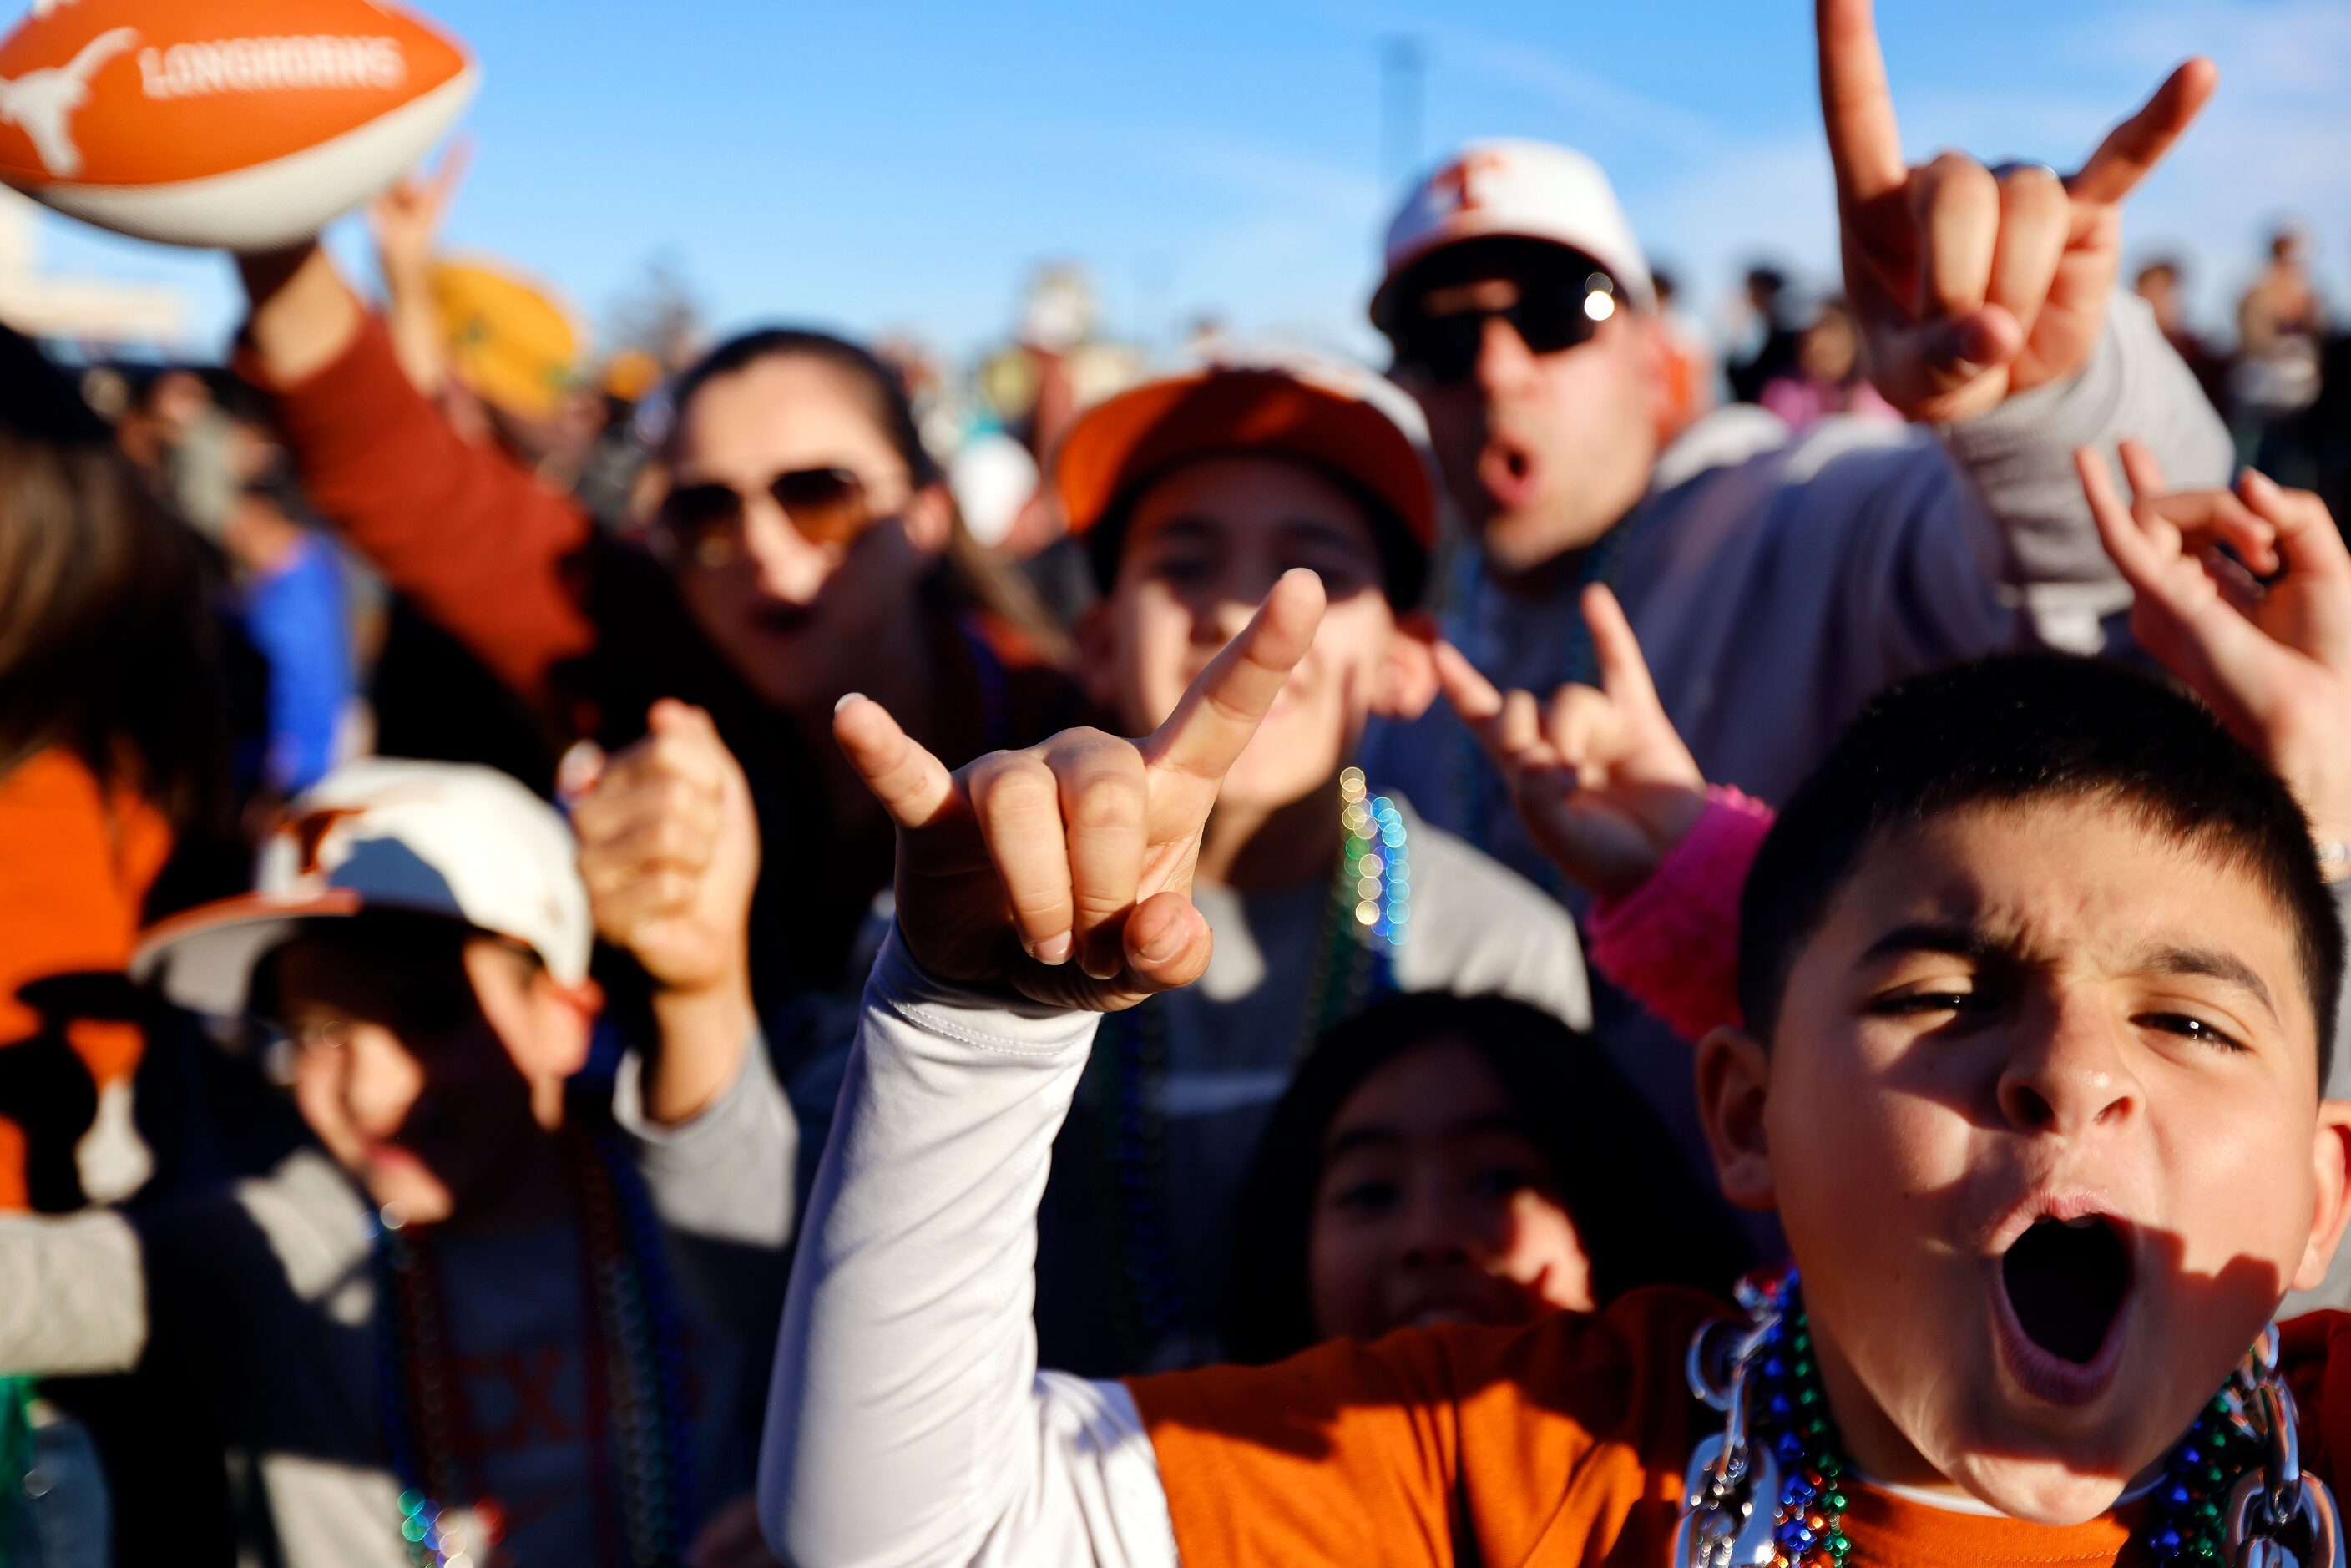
(705, 522)
(1550, 317)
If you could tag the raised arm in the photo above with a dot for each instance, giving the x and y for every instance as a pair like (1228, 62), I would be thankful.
(1609, 791)
(1988, 302)
(76, 1302)
(907, 1423)
(464, 531)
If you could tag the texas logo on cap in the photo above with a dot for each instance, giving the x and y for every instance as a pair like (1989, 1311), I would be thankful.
(1519, 189)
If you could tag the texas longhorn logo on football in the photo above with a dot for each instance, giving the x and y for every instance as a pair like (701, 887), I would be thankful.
(43, 101)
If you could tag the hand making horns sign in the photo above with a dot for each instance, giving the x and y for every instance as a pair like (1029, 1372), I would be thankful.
(1970, 286)
(1064, 872)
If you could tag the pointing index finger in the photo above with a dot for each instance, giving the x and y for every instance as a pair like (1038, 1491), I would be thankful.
(1220, 712)
(2139, 143)
(1856, 104)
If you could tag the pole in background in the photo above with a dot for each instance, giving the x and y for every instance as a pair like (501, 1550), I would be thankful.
(1403, 65)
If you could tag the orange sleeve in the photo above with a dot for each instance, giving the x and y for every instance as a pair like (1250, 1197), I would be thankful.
(1563, 1441)
(75, 867)
(471, 537)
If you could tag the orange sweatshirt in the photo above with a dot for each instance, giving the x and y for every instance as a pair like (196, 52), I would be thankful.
(1561, 1443)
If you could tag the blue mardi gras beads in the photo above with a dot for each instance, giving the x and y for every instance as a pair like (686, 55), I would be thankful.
(1367, 919)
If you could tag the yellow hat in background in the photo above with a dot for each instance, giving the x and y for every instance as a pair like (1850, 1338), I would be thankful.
(631, 375)
(509, 341)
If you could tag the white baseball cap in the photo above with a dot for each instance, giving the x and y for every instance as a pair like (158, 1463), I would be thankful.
(1520, 190)
(429, 838)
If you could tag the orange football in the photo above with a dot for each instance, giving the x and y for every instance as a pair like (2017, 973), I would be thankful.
(242, 124)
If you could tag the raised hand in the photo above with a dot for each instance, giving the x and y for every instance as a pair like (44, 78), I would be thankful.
(406, 219)
(1063, 873)
(1971, 287)
(2270, 655)
(1600, 777)
(669, 847)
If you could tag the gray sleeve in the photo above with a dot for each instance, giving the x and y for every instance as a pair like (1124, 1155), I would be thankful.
(1981, 540)
(908, 1424)
(75, 1300)
(2034, 528)
(727, 1175)
(2334, 1291)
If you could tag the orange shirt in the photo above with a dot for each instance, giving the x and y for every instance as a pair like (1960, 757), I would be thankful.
(1561, 1443)
(76, 861)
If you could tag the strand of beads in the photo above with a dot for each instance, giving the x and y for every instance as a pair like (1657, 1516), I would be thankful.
(643, 1359)
(1792, 1416)
(1149, 1303)
(2184, 1518)
(1369, 916)
(1376, 860)
(2186, 1521)
(633, 1370)
(419, 1408)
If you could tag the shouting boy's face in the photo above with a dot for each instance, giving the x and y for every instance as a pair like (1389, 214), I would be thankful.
(2041, 1117)
(1205, 546)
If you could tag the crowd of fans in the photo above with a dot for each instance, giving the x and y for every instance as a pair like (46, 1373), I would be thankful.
(577, 984)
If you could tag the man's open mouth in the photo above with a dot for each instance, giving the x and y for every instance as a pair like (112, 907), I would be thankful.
(2067, 1281)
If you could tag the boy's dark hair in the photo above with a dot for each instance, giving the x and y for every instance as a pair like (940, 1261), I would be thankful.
(2018, 728)
(1404, 563)
(1641, 1218)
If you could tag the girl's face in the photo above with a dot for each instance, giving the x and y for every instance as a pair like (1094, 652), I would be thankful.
(1435, 1207)
(797, 616)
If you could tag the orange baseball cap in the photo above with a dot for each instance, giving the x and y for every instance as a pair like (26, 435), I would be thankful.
(1338, 417)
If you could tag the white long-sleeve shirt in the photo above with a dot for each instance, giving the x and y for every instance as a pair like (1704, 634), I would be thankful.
(907, 1425)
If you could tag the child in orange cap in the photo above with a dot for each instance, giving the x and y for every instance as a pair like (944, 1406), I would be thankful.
(1192, 495)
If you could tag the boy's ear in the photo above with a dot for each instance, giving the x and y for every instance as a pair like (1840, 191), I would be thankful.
(929, 518)
(1656, 358)
(2330, 1153)
(1097, 650)
(1408, 672)
(1734, 1084)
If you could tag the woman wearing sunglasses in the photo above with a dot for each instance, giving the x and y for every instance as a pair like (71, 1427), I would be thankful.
(807, 548)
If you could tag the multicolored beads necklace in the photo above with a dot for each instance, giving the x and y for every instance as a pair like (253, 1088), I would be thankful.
(633, 1360)
(1363, 924)
(2231, 1492)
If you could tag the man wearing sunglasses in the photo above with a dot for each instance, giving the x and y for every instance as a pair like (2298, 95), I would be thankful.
(1776, 581)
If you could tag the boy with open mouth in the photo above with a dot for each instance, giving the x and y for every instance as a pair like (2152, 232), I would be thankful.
(2039, 989)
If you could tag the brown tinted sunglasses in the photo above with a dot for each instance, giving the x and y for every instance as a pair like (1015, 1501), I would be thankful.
(705, 522)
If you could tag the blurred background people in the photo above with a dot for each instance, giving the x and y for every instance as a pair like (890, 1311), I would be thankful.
(2281, 333)
(1827, 376)
(1692, 372)
(805, 546)
(1765, 334)
(2162, 283)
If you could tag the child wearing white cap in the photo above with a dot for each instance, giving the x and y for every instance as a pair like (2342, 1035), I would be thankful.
(487, 1318)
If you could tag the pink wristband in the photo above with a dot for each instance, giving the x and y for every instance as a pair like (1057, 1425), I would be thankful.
(1672, 943)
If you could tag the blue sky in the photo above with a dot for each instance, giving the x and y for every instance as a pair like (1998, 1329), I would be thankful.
(884, 166)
